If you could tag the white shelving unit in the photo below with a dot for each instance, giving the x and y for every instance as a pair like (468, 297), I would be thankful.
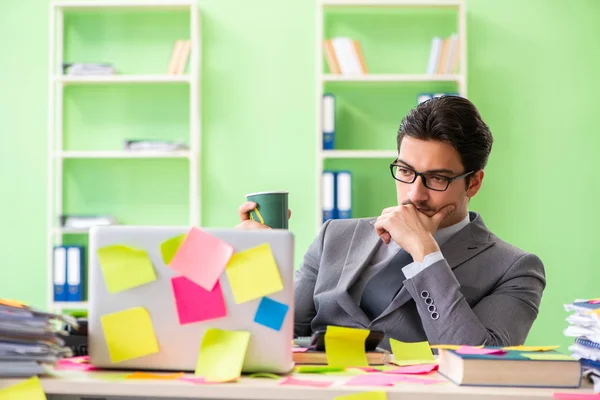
(57, 82)
(322, 78)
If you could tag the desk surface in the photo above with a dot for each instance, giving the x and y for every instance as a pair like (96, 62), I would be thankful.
(100, 384)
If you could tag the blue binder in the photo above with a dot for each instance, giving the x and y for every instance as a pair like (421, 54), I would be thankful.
(328, 121)
(74, 273)
(59, 273)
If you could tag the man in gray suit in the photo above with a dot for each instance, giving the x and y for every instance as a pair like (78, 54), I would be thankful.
(426, 269)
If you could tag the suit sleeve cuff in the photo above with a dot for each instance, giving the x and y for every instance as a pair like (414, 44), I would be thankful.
(414, 268)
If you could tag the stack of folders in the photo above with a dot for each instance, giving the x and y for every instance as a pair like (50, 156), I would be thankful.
(337, 195)
(584, 326)
(30, 340)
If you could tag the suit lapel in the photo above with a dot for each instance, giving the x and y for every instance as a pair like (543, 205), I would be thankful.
(362, 246)
(466, 244)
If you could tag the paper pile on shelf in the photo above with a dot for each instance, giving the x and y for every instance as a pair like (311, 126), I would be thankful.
(93, 69)
(30, 340)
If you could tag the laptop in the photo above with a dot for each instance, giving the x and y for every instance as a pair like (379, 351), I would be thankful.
(269, 350)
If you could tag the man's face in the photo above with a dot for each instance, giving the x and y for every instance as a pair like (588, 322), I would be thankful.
(442, 159)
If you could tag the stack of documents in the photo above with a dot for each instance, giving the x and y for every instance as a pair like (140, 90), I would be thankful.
(89, 69)
(584, 326)
(30, 340)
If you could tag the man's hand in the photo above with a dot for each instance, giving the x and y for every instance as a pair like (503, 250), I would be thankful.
(246, 223)
(411, 229)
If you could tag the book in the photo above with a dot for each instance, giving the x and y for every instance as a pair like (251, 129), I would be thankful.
(379, 357)
(510, 368)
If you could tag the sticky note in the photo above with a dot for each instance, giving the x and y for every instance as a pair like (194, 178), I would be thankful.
(446, 346)
(264, 375)
(169, 247)
(414, 369)
(480, 350)
(194, 303)
(345, 347)
(373, 395)
(299, 349)
(373, 380)
(201, 258)
(317, 369)
(531, 348)
(407, 353)
(548, 356)
(271, 313)
(154, 376)
(222, 355)
(420, 381)
(129, 334)
(194, 379)
(575, 396)
(29, 389)
(125, 267)
(253, 273)
(305, 382)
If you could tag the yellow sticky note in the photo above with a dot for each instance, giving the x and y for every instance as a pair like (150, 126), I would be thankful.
(406, 353)
(531, 348)
(374, 395)
(253, 273)
(125, 267)
(548, 356)
(222, 355)
(446, 346)
(29, 389)
(345, 347)
(129, 334)
(169, 247)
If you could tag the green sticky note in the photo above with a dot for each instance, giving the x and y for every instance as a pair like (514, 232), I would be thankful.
(317, 369)
(374, 395)
(548, 356)
(253, 273)
(169, 247)
(222, 355)
(129, 334)
(29, 389)
(406, 353)
(345, 347)
(125, 267)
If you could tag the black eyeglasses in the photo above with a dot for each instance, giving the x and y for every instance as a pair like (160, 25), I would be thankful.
(436, 182)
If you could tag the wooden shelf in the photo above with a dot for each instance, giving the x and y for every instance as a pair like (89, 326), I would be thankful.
(98, 79)
(391, 78)
(390, 154)
(123, 154)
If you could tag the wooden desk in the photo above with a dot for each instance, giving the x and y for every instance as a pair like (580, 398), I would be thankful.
(95, 385)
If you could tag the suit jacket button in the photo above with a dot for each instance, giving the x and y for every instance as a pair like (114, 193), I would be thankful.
(424, 294)
(435, 315)
(429, 301)
(431, 308)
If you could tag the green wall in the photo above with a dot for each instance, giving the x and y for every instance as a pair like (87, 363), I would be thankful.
(532, 72)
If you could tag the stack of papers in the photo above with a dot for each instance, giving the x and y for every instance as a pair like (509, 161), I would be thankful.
(30, 340)
(584, 326)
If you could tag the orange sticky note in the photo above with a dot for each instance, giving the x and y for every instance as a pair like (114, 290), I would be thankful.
(531, 348)
(129, 334)
(148, 375)
(253, 273)
(201, 258)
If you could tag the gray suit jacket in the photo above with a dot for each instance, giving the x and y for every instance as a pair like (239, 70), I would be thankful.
(485, 291)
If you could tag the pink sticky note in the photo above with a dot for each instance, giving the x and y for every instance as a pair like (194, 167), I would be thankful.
(420, 381)
(595, 301)
(575, 396)
(196, 304)
(81, 363)
(305, 382)
(479, 350)
(413, 369)
(299, 349)
(368, 369)
(201, 258)
(374, 380)
(193, 379)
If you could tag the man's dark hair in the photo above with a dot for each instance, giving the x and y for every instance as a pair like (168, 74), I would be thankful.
(454, 120)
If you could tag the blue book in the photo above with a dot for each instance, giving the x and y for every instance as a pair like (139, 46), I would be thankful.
(59, 273)
(328, 121)
(74, 273)
(344, 194)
